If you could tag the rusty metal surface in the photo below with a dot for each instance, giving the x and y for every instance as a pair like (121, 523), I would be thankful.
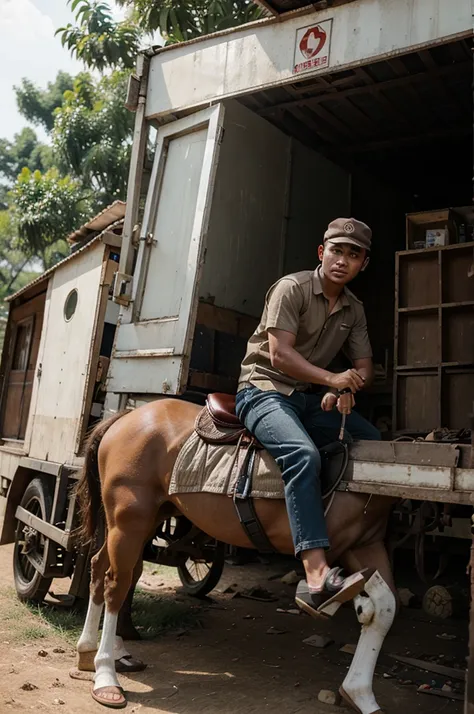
(407, 491)
(423, 453)
(46, 529)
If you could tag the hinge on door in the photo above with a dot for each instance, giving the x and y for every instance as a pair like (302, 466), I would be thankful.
(136, 235)
(39, 371)
(150, 239)
(220, 135)
(122, 289)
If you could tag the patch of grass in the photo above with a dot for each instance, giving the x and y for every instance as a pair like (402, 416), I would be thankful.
(30, 621)
(66, 623)
(155, 614)
(152, 614)
(32, 632)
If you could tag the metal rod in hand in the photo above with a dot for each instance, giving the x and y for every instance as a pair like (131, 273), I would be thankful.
(343, 426)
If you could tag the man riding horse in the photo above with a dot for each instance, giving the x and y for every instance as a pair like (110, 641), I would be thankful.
(130, 458)
(283, 396)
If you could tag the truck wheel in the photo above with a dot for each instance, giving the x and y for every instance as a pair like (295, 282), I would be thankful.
(199, 576)
(30, 545)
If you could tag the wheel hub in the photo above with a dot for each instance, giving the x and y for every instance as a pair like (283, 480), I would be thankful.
(30, 540)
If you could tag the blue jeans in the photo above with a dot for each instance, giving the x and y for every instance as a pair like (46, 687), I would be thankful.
(292, 429)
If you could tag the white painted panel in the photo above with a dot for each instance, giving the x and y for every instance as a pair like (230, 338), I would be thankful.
(244, 241)
(156, 330)
(261, 55)
(464, 480)
(65, 357)
(403, 475)
(172, 228)
(112, 312)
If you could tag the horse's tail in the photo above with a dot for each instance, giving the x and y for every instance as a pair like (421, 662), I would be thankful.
(88, 490)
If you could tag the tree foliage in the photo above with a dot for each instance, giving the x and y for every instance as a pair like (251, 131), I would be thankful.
(92, 135)
(181, 21)
(24, 150)
(97, 40)
(16, 269)
(45, 209)
(37, 105)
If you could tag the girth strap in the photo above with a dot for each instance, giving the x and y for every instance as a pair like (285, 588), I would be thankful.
(245, 507)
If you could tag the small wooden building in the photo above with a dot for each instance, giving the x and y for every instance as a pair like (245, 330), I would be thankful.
(58, 343)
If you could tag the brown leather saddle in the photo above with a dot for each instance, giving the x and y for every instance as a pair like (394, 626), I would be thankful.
(218, 423)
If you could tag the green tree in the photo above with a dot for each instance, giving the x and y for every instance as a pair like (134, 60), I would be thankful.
(16, 269)
(99, 41)
(37, 105)
(45, 208)
(92, 135)
(24, 150)
(181, 21)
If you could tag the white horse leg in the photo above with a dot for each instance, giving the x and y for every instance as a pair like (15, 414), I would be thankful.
(376, 614)
(105, 675)
(87, 644)
(119, 648)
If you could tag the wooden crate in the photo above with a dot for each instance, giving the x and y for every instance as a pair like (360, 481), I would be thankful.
(451, 218)
(434, 339)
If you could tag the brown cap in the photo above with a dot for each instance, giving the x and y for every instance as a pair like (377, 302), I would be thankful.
(349, 230)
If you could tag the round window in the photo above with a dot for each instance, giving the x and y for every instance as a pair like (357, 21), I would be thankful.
(70, 305)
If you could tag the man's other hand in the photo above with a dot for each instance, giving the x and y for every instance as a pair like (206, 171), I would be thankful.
(328, 402)
(346, 403)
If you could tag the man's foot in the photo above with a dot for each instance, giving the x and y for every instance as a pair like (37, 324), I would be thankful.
(335, 588)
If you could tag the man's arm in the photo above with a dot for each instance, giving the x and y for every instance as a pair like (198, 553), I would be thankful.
(365, 367)
(285, 358)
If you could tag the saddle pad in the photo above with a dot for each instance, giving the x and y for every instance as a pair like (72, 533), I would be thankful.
(215, 468)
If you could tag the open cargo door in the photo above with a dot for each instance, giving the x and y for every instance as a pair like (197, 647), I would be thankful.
(153, 342)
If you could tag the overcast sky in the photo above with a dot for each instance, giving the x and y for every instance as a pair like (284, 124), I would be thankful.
(29, 49)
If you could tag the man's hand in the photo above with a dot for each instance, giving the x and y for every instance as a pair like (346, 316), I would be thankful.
(346, 403)
(350, 379)
(328, 402)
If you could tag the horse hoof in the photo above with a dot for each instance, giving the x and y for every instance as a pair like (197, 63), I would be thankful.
(85, 661)
(343, 699)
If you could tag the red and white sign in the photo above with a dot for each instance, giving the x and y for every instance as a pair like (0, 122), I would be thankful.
(312, 47)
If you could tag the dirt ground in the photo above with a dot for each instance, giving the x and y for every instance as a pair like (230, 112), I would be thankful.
(217, 656)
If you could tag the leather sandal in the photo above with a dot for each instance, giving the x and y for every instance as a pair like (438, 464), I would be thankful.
(129, 664)
(336, 588)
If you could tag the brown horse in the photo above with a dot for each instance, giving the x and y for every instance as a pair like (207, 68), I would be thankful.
(128, 464)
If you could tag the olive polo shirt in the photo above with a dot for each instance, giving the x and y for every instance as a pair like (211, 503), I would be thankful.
(296, 304)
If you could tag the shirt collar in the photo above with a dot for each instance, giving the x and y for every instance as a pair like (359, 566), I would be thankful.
(318, 289)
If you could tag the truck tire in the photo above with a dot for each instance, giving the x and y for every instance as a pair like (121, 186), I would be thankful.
(199, 577)
(29, 583)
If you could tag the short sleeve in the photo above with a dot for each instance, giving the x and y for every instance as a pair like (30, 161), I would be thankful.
(284, 305)
(358, 343)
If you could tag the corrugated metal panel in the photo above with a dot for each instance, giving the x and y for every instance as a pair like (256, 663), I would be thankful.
(114, 212)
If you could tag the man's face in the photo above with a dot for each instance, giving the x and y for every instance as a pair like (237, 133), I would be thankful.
(341, 262)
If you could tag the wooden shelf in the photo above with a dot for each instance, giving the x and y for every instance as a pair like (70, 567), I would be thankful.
(464, 303)
(433, 308)
(420, 308)
(430, 367)
(434, 321)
